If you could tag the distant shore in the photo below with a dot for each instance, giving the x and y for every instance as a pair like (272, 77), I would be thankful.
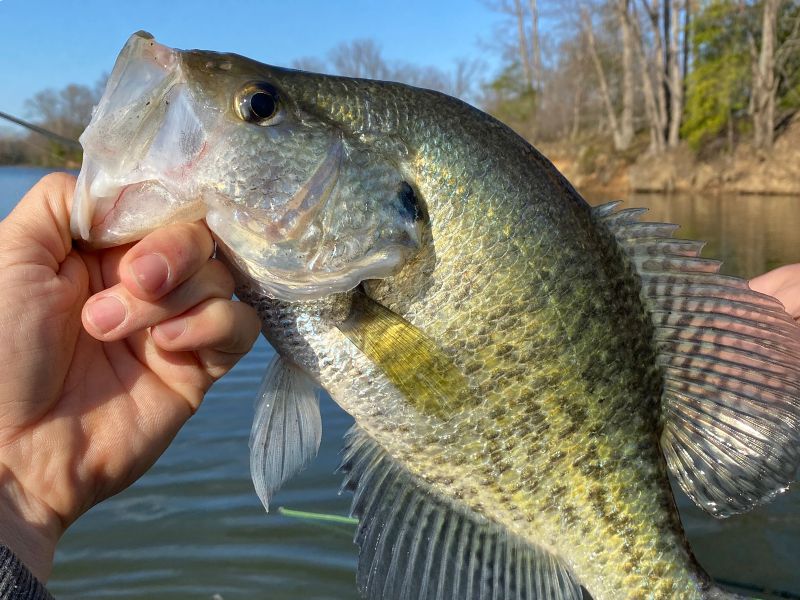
(742, 171)
(595, 166)
(69, 165)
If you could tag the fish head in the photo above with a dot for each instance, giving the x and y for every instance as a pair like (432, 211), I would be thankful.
(301, 202)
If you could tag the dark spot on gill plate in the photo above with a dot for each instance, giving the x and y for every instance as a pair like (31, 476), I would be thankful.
(409, 204)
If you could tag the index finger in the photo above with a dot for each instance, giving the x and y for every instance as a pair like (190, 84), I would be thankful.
(164, 259)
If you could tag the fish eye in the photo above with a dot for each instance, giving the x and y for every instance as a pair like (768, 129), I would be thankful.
(258, 103)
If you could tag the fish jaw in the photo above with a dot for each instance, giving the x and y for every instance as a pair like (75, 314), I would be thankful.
(140, 150)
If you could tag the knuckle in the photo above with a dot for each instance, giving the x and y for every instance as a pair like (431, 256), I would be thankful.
(58, 180)
(184, 245)
(222, 277)
(198, 237)
(248, 324)
(236, 333)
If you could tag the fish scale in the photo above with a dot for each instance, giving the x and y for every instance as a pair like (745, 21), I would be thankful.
(561, 445)
(523, 370)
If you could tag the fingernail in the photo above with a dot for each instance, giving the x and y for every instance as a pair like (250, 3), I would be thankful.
(172, 329)
(150, 271)
(106, 313)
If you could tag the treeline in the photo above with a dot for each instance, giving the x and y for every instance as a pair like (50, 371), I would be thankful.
(650, 72)
(68, 111)
(364, 58)
(65, 112)
(642, 74)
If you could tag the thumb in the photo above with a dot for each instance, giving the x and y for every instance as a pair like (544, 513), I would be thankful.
(37, 230)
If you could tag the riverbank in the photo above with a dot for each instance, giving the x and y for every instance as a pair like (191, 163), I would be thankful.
(593, 164)
(745, 170)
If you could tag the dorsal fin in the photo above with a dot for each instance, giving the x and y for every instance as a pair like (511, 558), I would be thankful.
(415, 544)
(731, 361)
(287, 427)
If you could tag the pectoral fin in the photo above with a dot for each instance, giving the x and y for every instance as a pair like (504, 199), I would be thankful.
(413, 362)
(287, 427)
(731, 361)
(416, 544)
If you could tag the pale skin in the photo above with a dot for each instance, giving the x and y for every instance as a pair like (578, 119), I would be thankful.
(784, 284)
(105, 356)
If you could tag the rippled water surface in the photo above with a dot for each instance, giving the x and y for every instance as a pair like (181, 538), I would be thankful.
(193, 527)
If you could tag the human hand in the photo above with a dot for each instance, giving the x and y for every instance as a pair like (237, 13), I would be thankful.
(782, 283)
(85, 411)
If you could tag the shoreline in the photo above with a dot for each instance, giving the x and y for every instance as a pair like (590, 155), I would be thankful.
(743, 171)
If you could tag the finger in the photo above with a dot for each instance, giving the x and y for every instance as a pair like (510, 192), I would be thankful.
(782, 283)
(37, 230)
(219, 332)
(770, 283)
(116, 313)
(166, 258)
(224, 325)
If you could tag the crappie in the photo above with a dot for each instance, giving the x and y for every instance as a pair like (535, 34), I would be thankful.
(523, 369)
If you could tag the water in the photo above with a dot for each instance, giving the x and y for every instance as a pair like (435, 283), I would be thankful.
(193, 527)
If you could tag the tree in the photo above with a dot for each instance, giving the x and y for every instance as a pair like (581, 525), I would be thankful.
(762, 106)
(359, 58)
(717, 86)
(622, 126)
(364, 58)
(65, 112)
(775, 63)
(746, 63)
(623, 10)
(674, 73)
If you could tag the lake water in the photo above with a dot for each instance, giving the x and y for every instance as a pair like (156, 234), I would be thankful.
(193, 528)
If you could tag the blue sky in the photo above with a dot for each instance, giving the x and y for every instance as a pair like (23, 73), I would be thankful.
(50, 43)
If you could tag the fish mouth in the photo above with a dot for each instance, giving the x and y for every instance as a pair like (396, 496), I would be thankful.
(136, 210)
(144, 126)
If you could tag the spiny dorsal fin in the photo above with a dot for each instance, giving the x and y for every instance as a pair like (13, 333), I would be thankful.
(731, 360)
(287, 427)
(417, 545)
(414, 363)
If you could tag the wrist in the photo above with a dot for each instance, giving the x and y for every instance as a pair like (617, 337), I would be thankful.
(29, 528)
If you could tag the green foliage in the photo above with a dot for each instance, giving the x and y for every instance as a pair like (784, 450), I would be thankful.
(789, 64)
(718, 85)
(511, 101)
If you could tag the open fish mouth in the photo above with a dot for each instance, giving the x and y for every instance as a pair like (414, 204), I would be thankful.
(166, 144)
(143, 132)
(120, 219)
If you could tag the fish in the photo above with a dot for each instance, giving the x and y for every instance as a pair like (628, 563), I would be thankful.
(525, 371)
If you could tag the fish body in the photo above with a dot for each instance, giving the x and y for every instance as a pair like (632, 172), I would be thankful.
(523, 369)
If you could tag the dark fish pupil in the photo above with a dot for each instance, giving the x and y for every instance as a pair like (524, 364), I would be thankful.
(262, 105)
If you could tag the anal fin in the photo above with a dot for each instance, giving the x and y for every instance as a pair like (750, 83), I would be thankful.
(416, 544)
(731, 361)
(287, 427)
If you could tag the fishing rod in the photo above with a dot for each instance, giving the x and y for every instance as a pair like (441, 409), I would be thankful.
(42, 131)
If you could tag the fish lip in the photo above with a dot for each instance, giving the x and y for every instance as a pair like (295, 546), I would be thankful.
(107, 231)
(105, 213)
(102, 208)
